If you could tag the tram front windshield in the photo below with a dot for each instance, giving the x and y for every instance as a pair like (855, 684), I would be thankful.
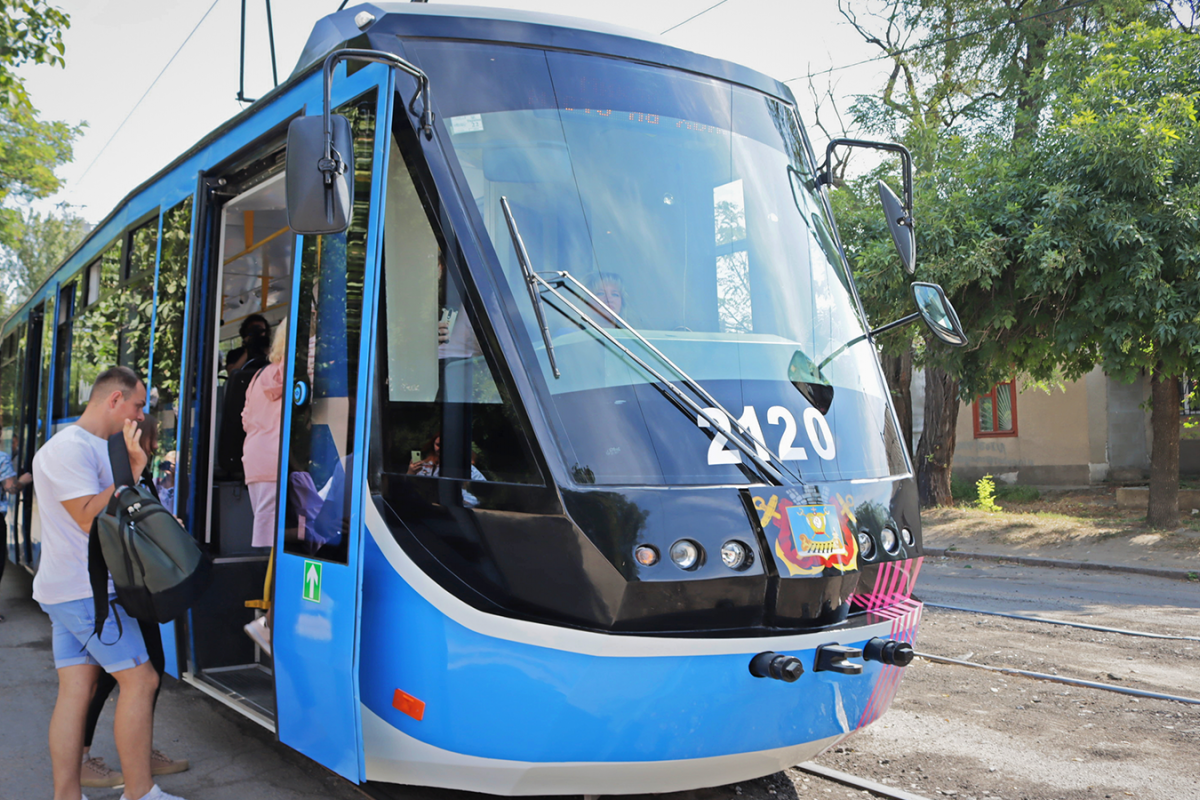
(688, 205)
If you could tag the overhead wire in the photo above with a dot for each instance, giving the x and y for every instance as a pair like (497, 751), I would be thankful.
(946, 40)
(147, 92)
(693, 16)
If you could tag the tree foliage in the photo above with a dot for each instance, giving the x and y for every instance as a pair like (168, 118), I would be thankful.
(31, 32)
(1116, 222)
(31, 149)
(967, 95)
(36, 246)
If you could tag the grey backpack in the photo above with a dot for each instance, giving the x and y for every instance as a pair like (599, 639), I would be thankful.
(157, 569)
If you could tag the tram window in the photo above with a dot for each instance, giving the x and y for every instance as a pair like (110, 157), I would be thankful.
(677, 190)
(95, 332)
(445, 413)
(137, 298)
(62, 367)
(92, 283)
(166, 369)
(10, 389)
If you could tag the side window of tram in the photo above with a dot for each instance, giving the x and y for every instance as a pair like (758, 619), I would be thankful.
(137, 298)
(96, 327)
(168, 338)
(325, 348)
(10, 387)
(447, 412)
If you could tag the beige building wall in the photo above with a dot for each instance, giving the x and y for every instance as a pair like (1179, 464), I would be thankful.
(1061, 437)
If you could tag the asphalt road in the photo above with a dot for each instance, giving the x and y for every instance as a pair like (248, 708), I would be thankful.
(951, 731)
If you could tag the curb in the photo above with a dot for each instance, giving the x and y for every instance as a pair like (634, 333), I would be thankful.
(1032, 561)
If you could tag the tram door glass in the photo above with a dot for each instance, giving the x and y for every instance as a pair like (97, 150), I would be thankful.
(165, 371)
(325, 347)
(689, 206)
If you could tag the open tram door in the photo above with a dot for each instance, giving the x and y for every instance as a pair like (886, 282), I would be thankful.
(318, 572)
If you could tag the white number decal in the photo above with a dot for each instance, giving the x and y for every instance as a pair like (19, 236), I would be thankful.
(749, 422)
(776, 414)
(819, 435)
(823, 444)
(717, 452)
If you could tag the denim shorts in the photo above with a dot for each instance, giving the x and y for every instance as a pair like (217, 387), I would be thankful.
(118, 646)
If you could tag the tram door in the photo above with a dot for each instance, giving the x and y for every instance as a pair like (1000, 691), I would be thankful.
(318, 572)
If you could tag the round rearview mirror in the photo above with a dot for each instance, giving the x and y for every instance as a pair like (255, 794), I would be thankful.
(938, 314)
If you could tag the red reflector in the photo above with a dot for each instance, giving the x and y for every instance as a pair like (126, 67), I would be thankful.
(403, 701)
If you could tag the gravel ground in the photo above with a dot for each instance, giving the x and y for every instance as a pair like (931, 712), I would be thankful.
(966, 733)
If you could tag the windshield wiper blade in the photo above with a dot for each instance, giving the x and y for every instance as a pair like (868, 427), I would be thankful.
(531, 281)
(668, 389)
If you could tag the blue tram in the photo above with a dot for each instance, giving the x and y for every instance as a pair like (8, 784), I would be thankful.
(589, 478)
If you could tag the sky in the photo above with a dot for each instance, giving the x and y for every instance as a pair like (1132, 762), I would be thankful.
(116, 48)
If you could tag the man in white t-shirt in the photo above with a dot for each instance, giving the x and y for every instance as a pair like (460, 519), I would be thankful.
(73, 480)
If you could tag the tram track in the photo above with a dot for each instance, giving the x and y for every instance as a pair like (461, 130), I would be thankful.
(1055, 678)
(1065, 623)
(863, 784)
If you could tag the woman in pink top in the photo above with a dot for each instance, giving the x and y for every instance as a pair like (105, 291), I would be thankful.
(262, 417)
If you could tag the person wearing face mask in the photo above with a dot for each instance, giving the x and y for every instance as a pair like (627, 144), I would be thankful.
(255, 332)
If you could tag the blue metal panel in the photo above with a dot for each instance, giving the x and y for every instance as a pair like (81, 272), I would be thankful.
(315, 643)
(170, 652)
(494, 698)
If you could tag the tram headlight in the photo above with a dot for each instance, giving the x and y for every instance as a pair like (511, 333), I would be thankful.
(686, 554)
(907, 537)
(889, 540)
(866, 546)
(735, 555)
(646, 555)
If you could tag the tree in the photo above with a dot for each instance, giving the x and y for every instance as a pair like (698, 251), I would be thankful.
(966, 95)
(30, 148)
(1117, 224)
(37, 244)
(30, 33)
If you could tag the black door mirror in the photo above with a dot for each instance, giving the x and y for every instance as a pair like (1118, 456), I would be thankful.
(935, 309)
(899, 214)
(900, 223)
(320, 186)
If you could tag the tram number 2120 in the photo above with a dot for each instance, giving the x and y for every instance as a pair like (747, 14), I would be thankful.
(819, 435)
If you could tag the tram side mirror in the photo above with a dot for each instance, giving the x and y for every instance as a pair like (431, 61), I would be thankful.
(939, 315)
(901, 226)
(320, 192)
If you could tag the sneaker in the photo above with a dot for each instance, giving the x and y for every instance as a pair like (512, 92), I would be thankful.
(260, 633)
(162, 764)
(95, 774)
(155, 793)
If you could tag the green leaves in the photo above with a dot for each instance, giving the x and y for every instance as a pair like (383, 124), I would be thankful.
(30, 33)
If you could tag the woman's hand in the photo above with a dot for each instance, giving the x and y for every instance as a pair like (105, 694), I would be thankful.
(137, 456)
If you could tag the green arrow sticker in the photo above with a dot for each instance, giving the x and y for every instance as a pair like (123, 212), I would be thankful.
(312, 581)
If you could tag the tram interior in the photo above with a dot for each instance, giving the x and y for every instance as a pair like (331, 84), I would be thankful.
(256, 259)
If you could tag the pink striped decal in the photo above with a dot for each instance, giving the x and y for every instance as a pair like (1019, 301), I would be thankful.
(906, 618)
(894, 582)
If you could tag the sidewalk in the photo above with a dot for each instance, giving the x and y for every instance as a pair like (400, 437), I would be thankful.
(232, 758)
(1054, 540)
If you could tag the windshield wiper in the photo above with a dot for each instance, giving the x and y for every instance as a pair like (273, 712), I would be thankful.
(531, 281)
(744, 441)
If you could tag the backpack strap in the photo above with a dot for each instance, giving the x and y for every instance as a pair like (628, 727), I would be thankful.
(118, 457)
(98, 578)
